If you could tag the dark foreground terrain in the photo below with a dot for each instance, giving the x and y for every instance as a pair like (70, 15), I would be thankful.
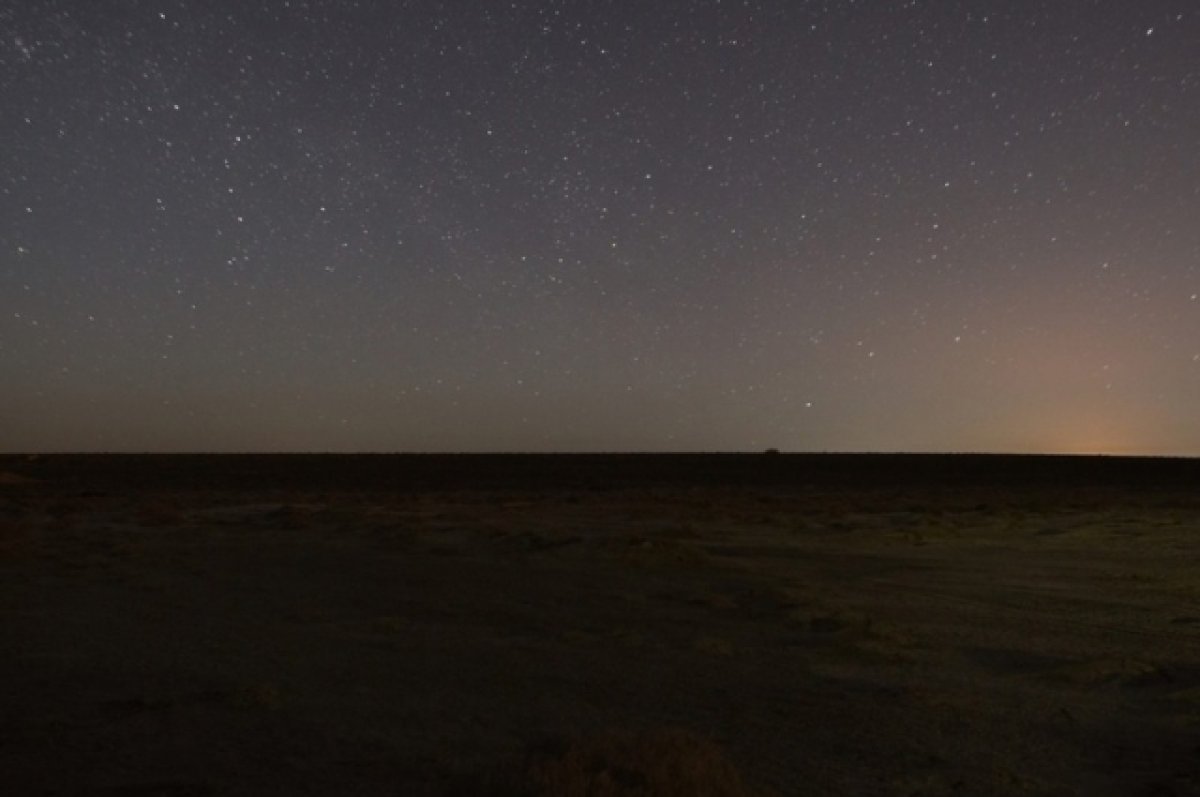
(596, 625)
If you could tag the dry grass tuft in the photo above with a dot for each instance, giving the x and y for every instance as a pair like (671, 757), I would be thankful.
(657, 763)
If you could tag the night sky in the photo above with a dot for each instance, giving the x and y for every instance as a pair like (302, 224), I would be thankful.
(600, 226)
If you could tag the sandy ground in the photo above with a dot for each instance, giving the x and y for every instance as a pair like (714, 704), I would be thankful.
(844, 642)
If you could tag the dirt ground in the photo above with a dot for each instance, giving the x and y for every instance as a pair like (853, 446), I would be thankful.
(825, 627)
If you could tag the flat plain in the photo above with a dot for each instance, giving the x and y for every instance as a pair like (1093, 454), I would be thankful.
(556, 624)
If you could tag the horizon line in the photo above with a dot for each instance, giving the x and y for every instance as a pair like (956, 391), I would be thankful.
(766, 452)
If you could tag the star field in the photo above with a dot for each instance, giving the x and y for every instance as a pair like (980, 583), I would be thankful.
(430, 226)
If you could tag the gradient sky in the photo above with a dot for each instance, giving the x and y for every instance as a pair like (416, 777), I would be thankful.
(432, 226)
